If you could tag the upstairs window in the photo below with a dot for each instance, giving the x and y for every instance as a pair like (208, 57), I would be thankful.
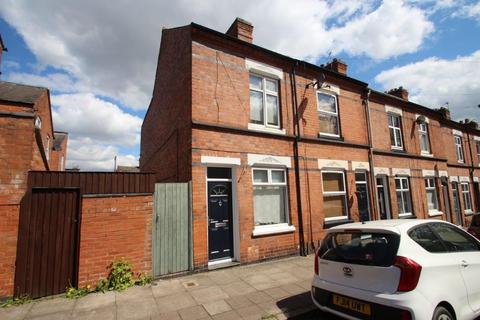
(424, 140)
(264, 108)
(459, 149)
(404, 198)
(467, 200)
(432, 198)
(328, 114)
(395, 128)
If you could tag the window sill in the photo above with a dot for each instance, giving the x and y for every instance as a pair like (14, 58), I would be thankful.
(435, 213)
(260, 128)
(399, 150)
(272, 229)
(330, 137)
(425, 154)
(468, 213)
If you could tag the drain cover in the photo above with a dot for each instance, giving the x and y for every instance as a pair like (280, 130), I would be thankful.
(190, 284)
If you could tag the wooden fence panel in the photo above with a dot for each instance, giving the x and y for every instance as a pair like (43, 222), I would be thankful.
(172, 229)
(47, 253)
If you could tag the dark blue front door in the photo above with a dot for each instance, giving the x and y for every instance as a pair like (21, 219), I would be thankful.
(362, 195)
(220, 220)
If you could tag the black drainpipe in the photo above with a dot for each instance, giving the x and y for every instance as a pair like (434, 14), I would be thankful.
(375, 210)
(471, 170)
(296, 130)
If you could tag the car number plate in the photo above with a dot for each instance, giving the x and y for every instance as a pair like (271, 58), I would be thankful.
(352, 304)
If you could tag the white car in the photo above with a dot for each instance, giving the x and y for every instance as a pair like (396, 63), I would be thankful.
(398, 269)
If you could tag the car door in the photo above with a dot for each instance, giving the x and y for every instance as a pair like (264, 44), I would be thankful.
(466, 250)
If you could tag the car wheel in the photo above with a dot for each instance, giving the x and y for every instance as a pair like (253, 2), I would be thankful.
(441, 313)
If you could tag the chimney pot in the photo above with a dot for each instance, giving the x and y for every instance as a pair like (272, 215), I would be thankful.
(400, 92)
(242, 30)
(337, 65)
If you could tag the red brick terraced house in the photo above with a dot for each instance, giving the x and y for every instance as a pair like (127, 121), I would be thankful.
(27, 142)
(278, 150)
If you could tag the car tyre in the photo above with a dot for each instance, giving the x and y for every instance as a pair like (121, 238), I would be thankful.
(441, 313)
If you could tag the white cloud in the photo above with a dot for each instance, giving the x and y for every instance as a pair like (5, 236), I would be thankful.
(433, 82)
(54, 81)
(84, 115)
(469, 11)
(111, 50)
(88, 155)
(391, 30)
(97, 130)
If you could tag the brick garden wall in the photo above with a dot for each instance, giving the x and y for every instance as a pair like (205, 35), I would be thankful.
(114, 227)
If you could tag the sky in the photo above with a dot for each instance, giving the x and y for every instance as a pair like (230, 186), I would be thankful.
(98, 57)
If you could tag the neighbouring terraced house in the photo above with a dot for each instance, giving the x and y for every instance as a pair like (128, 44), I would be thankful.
(278, 150)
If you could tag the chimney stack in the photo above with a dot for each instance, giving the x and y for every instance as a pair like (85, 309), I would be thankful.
(444, 112)
(400, 92)
(471, 124)
(338, 66)
(242, 30)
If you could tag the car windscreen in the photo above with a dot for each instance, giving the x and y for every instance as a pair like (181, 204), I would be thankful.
(360, 247)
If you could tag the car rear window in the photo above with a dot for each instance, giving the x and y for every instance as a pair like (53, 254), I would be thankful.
(360, 247)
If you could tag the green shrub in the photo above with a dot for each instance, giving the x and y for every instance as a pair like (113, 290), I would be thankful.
(74, 293)
(15, 301)
(121, 275)
(143, 279)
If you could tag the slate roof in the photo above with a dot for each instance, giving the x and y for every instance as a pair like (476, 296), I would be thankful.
(127, 169)
(16, 92)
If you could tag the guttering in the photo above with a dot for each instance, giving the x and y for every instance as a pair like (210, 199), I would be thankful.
(296, 131)
(276, 54)
(375, 209)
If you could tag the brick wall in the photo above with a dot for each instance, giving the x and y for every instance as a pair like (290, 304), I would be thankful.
(166, 129)
(114, 227)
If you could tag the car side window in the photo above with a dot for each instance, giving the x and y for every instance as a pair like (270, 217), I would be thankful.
(425, 237)
(455, 239)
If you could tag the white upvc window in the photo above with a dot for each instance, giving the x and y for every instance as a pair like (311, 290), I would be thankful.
(395, 128)
(424, 139)
(404, 198)
(264, 105)
(459, 149)
(328, 114)
(270, 200)
(47, 148)
(62, 163)
(432, 197)
(334, 195)
(467, 200)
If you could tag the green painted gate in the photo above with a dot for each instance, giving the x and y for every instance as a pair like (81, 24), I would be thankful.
(172, 228)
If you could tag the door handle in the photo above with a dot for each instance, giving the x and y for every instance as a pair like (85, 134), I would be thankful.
(464, 264)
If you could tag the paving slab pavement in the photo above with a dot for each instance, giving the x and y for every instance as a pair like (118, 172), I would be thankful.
(276, 289)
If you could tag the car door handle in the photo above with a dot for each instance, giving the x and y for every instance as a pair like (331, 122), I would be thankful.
(464, 264)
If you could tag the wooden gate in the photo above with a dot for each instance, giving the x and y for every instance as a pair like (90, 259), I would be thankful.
(172, 228)
(48, 242)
